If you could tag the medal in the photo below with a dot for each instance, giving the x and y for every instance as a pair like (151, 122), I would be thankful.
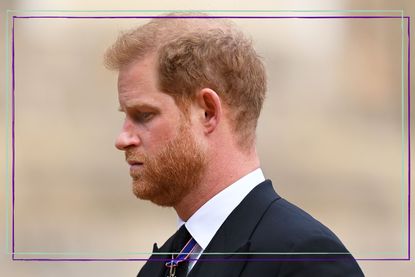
(172, 268)
(182, 256)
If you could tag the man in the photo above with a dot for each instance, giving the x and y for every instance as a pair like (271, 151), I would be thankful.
(192, 90)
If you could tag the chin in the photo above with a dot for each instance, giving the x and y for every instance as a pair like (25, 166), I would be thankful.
(143, 192)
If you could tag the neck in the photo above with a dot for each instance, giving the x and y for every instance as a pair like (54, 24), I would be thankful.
(221, 172)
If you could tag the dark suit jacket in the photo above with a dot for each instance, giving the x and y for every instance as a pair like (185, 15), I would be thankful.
(266, 223)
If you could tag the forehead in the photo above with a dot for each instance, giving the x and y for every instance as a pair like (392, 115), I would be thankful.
(140, 73)
(137, 84)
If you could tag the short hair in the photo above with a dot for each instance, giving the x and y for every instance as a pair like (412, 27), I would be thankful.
(200, 52)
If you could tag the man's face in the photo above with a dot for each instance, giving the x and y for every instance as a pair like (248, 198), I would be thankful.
(166, 162)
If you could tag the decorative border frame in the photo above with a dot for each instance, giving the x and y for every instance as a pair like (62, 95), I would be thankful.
(12, 121)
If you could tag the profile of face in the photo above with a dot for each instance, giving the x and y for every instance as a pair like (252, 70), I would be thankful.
(166, 161)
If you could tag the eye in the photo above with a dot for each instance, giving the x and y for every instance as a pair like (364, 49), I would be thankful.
(143, 117)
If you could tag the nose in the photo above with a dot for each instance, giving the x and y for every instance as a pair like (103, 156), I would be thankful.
(126, 139)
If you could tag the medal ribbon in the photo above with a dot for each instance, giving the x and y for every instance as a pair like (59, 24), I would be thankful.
(184, 253)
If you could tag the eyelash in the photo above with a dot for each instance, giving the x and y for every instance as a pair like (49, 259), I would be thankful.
(143, 117)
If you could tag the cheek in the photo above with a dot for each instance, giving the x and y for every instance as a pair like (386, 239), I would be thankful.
(159, 135)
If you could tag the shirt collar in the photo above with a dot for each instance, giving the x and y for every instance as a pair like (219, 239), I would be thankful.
(206, 221)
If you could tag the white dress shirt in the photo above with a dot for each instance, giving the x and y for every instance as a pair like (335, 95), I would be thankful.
(206, 221)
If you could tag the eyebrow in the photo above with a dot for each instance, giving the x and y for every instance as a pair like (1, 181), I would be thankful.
(138, 105)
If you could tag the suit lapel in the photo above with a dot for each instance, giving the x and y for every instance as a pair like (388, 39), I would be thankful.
(155, 265)
(231, 241)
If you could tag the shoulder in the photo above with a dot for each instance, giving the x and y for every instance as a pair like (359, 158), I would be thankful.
(299, 244)
(284, 227)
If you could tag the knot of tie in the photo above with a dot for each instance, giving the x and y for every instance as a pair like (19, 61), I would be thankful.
(181, 237)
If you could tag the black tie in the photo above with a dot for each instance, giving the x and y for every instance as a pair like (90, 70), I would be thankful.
(181, 237)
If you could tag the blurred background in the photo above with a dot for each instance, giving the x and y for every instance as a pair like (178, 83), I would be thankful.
(330, 134)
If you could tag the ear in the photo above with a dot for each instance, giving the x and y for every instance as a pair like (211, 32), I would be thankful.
(210, 109)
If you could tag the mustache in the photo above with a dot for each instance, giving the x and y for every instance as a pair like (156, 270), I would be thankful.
(130, 155)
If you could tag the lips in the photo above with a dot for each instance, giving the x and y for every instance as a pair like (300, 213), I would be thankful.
(135, 167)
(131, 162)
